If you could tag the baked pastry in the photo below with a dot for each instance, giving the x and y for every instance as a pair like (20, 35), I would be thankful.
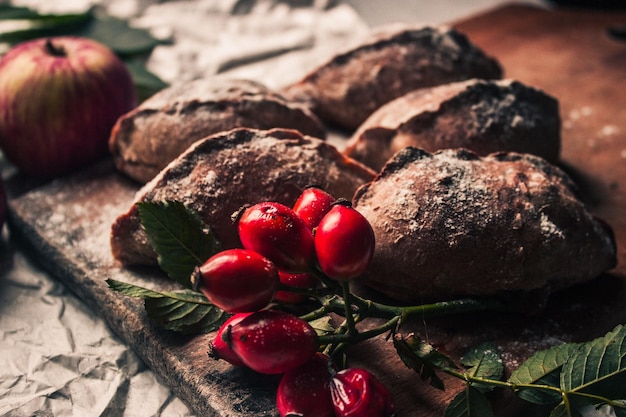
(484, 116)
(453, 224)
(349, 87)
(147, 138)
(219, 174)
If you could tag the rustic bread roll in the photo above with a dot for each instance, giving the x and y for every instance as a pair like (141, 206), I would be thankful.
(453, 224)
(146, 139)
(221, 173)
(484, 116)
(350, 86)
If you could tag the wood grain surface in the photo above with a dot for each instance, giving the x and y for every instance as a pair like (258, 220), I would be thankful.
(569, 54)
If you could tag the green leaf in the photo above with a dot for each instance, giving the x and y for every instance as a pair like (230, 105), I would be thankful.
(115, 33)
(323, 326)
(543, 368)
(598, 367)
(483, 361)
(179, 237)
(562, 411)
(186, 311)
(469, 403)
(8, 12)
(423, 358)
(119, 36)
(41, 25)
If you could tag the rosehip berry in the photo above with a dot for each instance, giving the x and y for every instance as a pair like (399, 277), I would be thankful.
(219, 349)
(305, 390)
(301, 280)
(238, 280)
(357, 393)
(272, 342)
(275, 231)
(344, 242)
(312, 205)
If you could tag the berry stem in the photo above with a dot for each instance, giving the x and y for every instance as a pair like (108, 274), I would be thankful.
(359, 336)
(347, 299)
(325, 308)
(374, 309)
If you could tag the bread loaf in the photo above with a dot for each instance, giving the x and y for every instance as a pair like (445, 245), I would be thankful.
(484, 116)
(453, 224)
(349, 87)
(219, 174)
(146, 139)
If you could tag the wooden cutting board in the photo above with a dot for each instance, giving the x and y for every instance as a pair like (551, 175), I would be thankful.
(569, 54)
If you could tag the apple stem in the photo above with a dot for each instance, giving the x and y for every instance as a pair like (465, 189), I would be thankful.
(53, 49)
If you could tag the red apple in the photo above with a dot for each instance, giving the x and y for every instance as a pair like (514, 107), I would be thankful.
(59, 99)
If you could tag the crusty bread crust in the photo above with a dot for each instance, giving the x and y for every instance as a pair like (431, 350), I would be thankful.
(147, 138)
(218, 175)
(349, 87)
(453, 224)
(484, 116)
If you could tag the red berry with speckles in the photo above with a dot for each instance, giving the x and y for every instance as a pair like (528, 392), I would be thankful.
(312, 205)
(275, 231)
(238, 280)
(219, 349)
(272, 342)
(305, 390)
(357, 393)
(344, 242)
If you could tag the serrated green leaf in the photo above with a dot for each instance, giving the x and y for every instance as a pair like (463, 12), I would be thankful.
(483, 361)
(185, 311)
(543, 368)
(179, 237)
(598, 367)
(423, 358)
(469, 403)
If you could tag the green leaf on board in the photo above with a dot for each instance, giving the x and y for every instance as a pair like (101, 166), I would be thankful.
(179, 237)
(598, 367)
(483, 361)
(543, 368)
(423, 358)
(470, 402)
(185, 311)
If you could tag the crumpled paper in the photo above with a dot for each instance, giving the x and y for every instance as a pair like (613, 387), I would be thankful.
(56, 357)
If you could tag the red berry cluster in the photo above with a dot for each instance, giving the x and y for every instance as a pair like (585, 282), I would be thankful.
(290, 247)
